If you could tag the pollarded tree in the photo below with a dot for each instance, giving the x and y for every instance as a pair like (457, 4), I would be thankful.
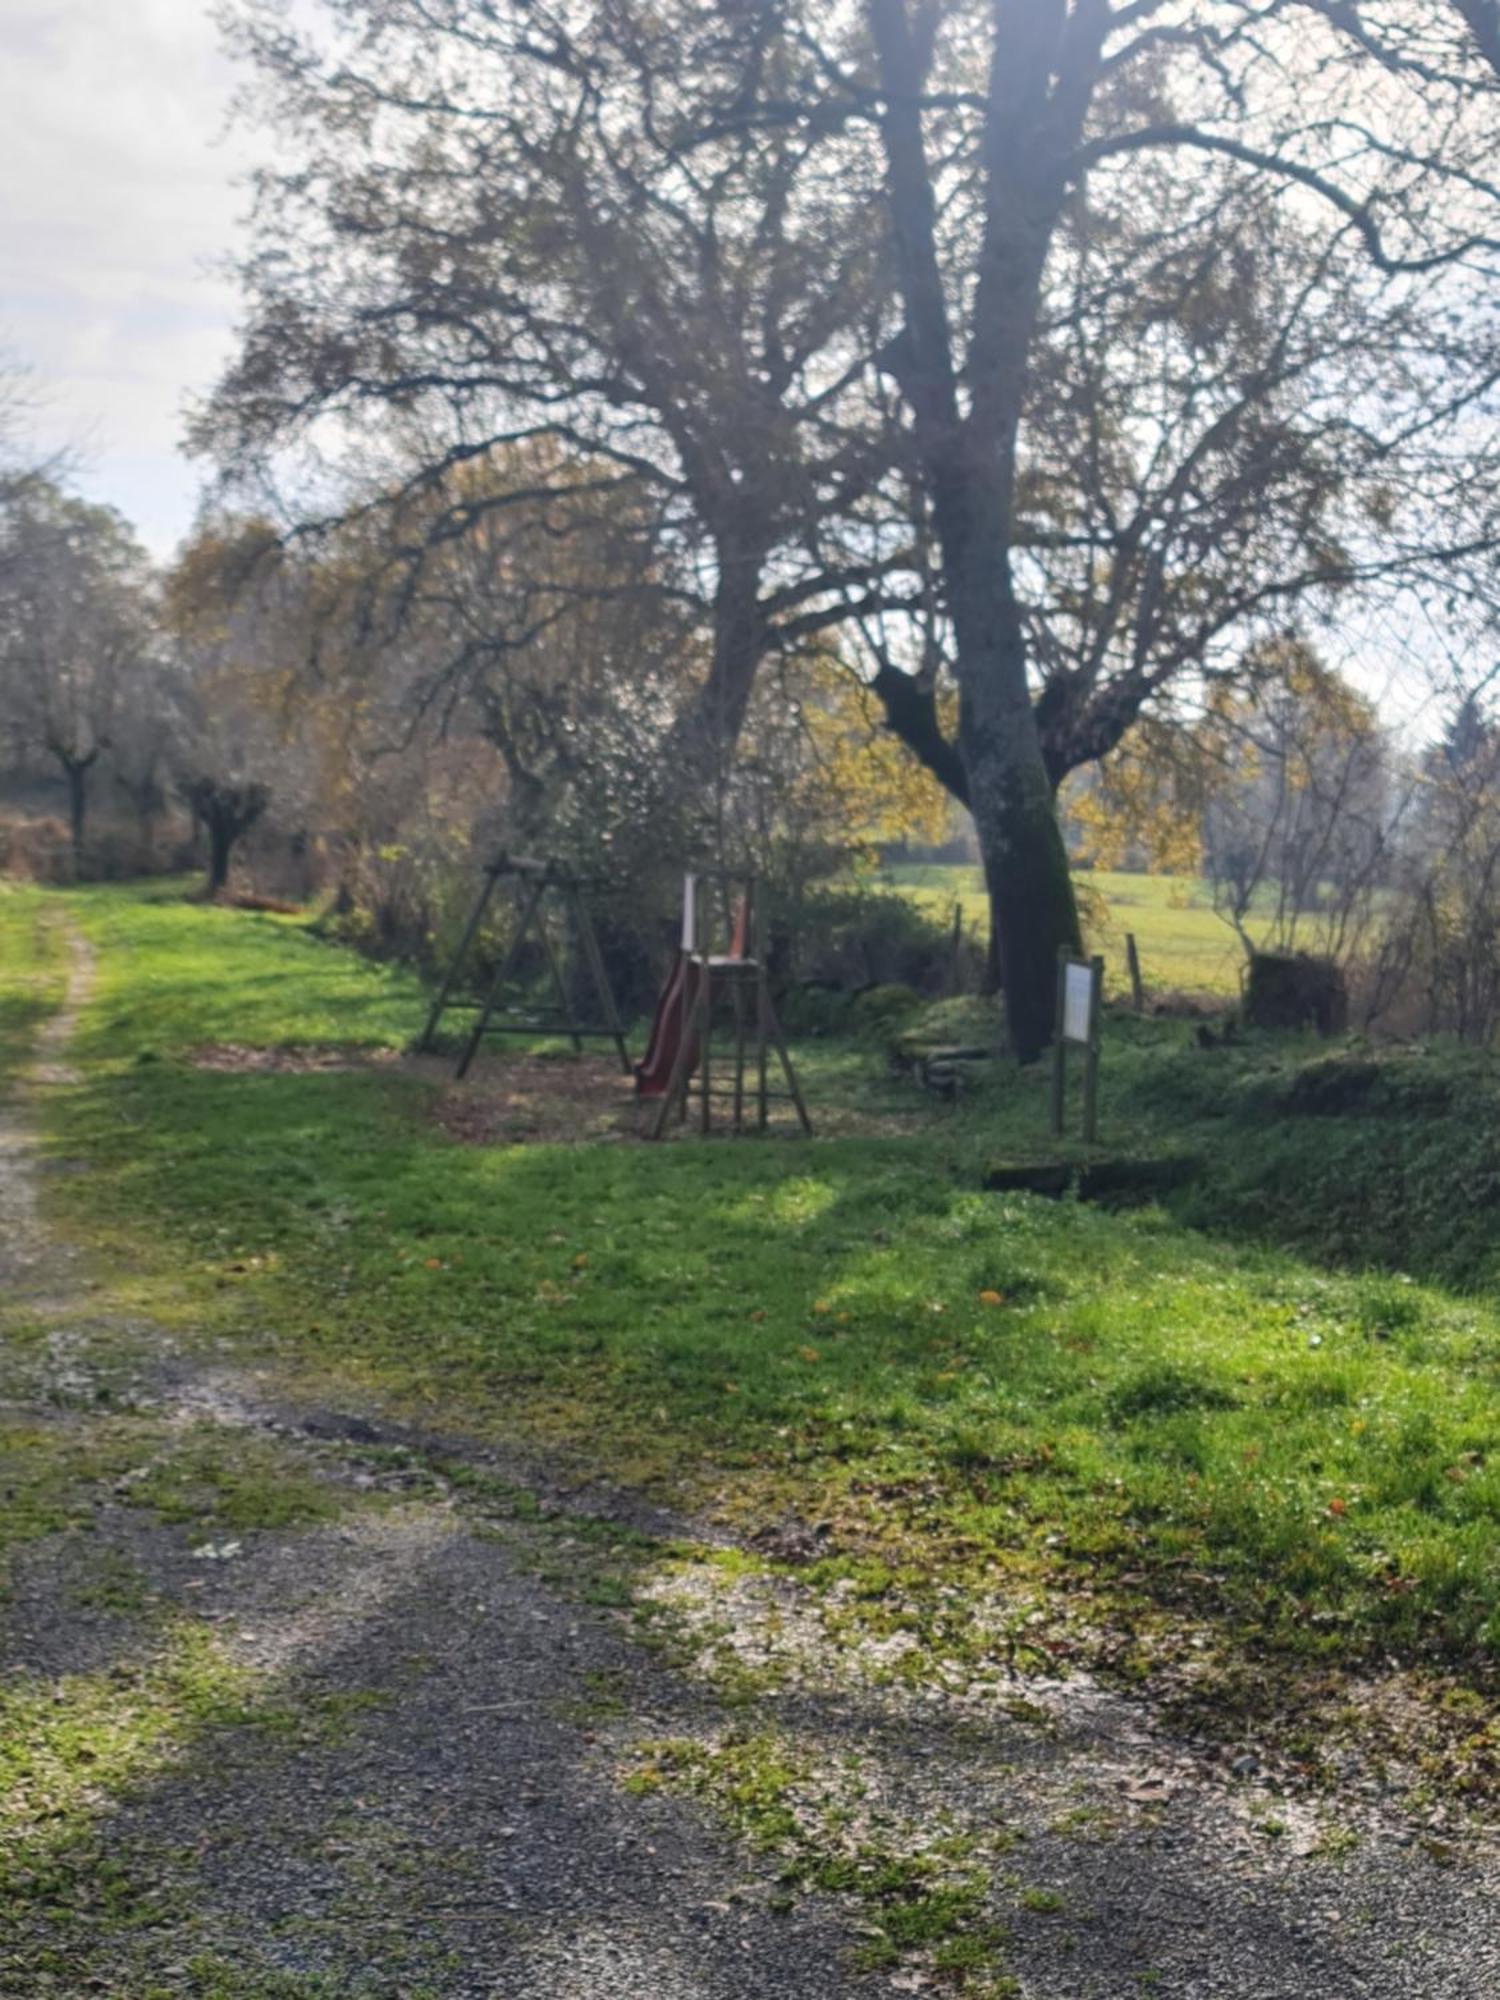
(76, 626)
(236, 618)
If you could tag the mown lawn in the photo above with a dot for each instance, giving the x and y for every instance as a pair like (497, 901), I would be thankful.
(1017, 1393)
(1184, 945)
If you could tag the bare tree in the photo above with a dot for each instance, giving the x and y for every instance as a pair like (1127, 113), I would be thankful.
(1302, 826)
(485, 227)
(236, 740)
(1373, 130)
(76, 622)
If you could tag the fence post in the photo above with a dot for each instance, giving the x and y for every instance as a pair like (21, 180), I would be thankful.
(1133, 962)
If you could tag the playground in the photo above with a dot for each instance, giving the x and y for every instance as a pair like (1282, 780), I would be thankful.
(604, 1493)
(705, 978)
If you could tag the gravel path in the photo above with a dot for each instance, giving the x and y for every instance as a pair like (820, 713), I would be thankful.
(429, 1798)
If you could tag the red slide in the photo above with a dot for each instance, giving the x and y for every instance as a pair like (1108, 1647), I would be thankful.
(678, 1001)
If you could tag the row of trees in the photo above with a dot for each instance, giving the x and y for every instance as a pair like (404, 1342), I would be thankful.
(256, 679)
(510, 695)
(1053, 358)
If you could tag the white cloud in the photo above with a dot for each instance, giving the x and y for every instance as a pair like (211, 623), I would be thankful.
(119, 194)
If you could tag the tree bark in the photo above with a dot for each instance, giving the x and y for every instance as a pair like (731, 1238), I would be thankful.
(1033, 913)
(222, 833)
(702, 743)
(970, 461)
(76, 773)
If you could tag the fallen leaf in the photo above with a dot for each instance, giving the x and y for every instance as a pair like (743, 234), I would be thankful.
(988, 1298)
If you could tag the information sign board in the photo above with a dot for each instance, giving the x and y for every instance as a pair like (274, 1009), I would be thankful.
(1078, 1003)
(1080, 990)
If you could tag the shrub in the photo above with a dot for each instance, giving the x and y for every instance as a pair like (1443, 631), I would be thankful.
(882, 1013)
(854, 939)
(36, 850)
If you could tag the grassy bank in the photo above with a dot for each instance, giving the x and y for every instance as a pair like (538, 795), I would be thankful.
(1184, 945)
(1015, 1390)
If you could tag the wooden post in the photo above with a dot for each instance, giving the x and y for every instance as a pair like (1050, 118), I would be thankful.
(588, 939)
(1059, 1045)
(705, 1037)
(739, 1057)
(492, 998)
(560, 987)
(1091, 1059)
(460, 959)
(762, 1003)
(1133, 963)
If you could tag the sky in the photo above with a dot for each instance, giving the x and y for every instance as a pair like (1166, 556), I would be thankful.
(120, 194)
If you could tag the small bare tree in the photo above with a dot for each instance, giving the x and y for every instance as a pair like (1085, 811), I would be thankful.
(1439, 961)
(1300, 828)
(76, 623)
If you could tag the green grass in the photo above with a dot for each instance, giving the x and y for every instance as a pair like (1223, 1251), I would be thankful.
(32, 971)
(173, 972)
(1184, 945)
(1015, 1392)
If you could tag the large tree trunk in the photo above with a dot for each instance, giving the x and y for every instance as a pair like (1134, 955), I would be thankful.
(969, 454)
(700, 747)
(1033, 912)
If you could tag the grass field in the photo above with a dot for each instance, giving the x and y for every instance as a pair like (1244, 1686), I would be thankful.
(1168, 1429)
(1184, 945)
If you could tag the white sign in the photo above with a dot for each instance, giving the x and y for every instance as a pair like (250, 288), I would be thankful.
(1078, 1003)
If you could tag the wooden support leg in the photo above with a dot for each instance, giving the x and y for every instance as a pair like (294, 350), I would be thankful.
(588, 939)
(492, 998)
(1059, 1047)
(559, 987)
(460, 960)
(762, 1086)
(739, 1057)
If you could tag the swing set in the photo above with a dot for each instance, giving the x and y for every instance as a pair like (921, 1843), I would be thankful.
(542, 888)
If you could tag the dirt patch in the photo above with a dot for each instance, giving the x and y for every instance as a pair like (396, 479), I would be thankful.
(580, 1100)
(542, 1100)
(235, 1059)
